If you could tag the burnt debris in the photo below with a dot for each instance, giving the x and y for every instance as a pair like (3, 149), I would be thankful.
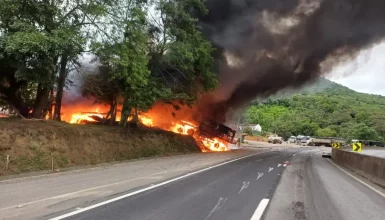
(213, 129)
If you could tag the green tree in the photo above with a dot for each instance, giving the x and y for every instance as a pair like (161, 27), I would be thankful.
(307, 128)
(265, 114)
(284, 128)
(125, 56)
(325, 132)
(248, 131)
(39, 39)
(180, 61)
(104, 90)
(332, 110)
(180, 54)
(27, 52)
(77, 24)
(362, 132)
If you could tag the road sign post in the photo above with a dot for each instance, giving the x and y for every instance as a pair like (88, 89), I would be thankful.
(336, 145)
(357, 147)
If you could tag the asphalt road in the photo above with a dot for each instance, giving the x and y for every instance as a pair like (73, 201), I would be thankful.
(37, 197)
(239, 185)
(314, 188)
(232, 191)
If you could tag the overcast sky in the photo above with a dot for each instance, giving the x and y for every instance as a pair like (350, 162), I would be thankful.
(364, 74)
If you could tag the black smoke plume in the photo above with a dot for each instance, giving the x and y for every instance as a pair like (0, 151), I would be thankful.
(269, 45)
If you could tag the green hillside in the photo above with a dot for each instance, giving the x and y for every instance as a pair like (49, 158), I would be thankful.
(322, 109)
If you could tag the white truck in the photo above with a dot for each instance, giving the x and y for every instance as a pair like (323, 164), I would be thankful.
(275, 139)
(325, 141)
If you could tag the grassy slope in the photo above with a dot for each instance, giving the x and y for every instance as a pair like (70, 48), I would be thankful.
(31, 143)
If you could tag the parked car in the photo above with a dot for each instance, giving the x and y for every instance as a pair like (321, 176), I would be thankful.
(305, 141)
(298, 139)
(291, 140)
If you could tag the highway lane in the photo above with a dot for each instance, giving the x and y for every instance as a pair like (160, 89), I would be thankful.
(231, 191)
(310, 187)
(32, 197)
(313, 188)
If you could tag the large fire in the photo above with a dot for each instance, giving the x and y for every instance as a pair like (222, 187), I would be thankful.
(174, 118)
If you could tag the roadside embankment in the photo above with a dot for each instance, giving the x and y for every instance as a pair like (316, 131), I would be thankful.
(27, 145)
(370, 167)
(256, 138)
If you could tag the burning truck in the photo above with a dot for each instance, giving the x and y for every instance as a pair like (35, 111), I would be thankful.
(208, 134)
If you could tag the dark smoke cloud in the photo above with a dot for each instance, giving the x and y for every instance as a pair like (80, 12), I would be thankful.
(279, 44)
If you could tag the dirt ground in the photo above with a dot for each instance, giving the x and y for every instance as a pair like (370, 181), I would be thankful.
(256, 138)
(36, 145)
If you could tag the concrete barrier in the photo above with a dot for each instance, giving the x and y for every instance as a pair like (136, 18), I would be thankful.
(370, 167)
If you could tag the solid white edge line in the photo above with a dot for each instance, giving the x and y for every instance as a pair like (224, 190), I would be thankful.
(146, 189)
(260, 209)
(367, 185)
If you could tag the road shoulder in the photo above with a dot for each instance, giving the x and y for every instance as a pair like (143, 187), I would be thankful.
(288, 199)
(313, 188)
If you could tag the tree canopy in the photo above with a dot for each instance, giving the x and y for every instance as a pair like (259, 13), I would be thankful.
(145, 50)
(319, 110)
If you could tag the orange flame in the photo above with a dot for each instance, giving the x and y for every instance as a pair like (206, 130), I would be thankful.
(191, 129)
(164, 116)
(214, 144)
(80, 118)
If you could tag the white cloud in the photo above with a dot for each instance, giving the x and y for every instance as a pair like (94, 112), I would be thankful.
(364, 74)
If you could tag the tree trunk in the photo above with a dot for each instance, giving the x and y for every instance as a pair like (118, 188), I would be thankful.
(41, 101)
(126, 110)
(60, 87)
(106, 118)
(135, 119)
(51, 104)
(115, 109)
(113, 113)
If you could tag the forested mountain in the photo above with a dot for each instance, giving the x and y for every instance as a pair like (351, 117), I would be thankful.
(322, 109)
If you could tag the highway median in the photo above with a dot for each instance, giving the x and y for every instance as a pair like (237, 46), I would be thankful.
(370, 167)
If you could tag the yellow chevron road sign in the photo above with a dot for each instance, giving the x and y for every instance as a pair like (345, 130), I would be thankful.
(336, 145)
(357, 147)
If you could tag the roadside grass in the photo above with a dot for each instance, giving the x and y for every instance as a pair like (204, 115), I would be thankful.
(34, 145)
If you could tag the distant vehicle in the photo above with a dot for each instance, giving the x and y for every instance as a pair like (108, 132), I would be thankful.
(325, 141)
(306, 140)
(298, 139)
(275, 139)
(291, 140)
